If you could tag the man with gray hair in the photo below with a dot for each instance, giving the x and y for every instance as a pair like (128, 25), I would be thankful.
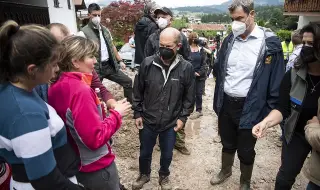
(249, 69)
(163, 98)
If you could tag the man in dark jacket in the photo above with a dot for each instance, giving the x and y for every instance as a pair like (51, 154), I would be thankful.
(146, 26)
(249, 69)
(163, 98)
(108, 60)
(164, 19)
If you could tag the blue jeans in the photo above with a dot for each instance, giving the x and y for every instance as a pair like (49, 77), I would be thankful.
(148, 139)
(312, 186)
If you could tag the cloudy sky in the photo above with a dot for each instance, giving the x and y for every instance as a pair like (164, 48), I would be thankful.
(172, 3)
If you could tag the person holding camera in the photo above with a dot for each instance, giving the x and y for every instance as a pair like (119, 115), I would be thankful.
(199, 62)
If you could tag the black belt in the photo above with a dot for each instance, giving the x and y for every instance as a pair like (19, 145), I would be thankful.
(234, 99)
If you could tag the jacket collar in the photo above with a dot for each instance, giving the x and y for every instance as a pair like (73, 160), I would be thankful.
(302, 73)
(83, 77)
(91, 25)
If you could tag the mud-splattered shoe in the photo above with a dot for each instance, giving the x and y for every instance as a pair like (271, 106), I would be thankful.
(164, 182)
(142, 179)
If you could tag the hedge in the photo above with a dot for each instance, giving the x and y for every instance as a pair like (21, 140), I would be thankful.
(283, 34)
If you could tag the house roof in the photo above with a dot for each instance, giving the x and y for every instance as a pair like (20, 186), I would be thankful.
(302, 6)
(215, 27)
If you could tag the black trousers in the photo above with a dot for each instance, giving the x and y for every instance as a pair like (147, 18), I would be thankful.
(199, 93)
(109, 72)
(232, 138)
(293, 156)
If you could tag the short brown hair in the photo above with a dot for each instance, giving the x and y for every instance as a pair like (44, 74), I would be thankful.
(296, 38)
(65, 31)
(75, 47)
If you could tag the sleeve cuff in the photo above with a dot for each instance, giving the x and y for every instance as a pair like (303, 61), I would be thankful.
(137, 114)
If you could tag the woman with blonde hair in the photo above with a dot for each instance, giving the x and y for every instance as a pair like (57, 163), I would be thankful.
(78, 105)
(33, 138)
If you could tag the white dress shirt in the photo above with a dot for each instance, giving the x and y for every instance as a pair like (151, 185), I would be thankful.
(293, 57)
(104, 48)
(242, 62)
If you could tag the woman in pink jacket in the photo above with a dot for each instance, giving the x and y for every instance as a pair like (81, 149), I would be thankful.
(78, 105)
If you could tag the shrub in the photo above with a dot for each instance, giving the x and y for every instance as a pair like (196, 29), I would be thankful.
(283, 34)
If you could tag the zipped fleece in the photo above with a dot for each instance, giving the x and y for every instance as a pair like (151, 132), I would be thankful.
(89, 131)
(264, 90)
(162, 98)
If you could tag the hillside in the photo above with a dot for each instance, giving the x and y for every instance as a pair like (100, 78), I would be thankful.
(224, 7)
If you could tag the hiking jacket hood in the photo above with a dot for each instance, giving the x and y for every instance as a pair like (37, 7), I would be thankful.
(264, 90)
(162, 98)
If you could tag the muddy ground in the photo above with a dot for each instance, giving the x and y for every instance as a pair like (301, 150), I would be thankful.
(194, 172)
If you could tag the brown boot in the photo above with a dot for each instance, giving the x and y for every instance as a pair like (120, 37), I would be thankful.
(142, 179)
(164, 182)
(226, 169)
(245, 178)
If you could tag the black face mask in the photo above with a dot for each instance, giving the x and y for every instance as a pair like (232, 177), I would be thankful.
(166, 54)
(307, 54)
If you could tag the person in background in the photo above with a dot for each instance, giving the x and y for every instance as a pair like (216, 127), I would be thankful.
(34, 138)
(297, 45)
(89, 129)
(164, 20)
(311, 169)
(249, 69)
(108, 57)
(198, 60)
(184, 31)
(60, 32)
(163, 99)
(298, 103)
(146, 26)
(287, 47)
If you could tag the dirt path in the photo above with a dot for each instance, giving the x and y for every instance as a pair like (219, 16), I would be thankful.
(194, 172)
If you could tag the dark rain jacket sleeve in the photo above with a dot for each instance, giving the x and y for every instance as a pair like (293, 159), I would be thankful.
(149, 49)
(276, 77)
(204, 65)
(138, 91)
(188, 98)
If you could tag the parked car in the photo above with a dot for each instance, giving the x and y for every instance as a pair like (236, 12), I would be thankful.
(127, 55)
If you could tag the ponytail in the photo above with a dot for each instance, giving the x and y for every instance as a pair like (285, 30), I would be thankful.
(8, 29)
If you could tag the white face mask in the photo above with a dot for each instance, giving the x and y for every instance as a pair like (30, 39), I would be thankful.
(162, 23)
(238, 27)
(96, 20)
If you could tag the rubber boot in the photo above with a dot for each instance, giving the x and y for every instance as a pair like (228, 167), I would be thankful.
(142, 179)
(226, 169)
(245, 178)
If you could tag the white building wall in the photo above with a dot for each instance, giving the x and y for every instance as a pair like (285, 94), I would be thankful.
(63, 14)
(304, 20)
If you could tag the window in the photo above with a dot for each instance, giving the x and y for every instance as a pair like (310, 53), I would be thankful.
(69, 4)
(56, 3)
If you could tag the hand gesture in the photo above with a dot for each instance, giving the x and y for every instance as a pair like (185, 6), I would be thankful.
(139, 123)
(260, 129)
(123, 107)
(179, 126)
(122, 65)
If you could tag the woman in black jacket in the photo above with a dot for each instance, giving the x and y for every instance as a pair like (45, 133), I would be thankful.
(298, 97)
(198, 60)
